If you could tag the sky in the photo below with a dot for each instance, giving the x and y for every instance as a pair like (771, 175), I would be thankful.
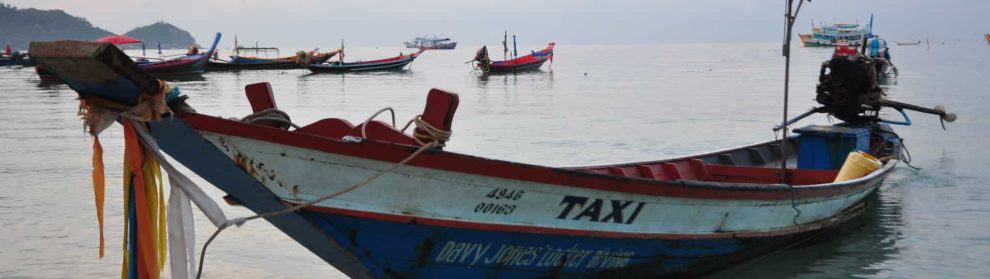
(377, 22)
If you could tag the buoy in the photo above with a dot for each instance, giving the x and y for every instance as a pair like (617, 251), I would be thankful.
(858, 164)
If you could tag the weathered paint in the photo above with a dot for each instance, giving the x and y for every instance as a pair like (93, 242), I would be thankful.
(188, 147)
(458, 198)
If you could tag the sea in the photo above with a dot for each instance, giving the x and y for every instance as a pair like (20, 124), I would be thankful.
(594, 104)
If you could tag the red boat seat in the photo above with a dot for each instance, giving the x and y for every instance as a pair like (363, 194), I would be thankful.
(330, 127)
(439, 112)
(382, 131)
(670, 172)
(619, 171)
(699, 170)
(261, 98)
(646, 171)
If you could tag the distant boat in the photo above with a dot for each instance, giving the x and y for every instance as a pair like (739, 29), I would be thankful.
(298, 61)
(431, 43)
(14, 58)
(192, 63)
(830, 36)
(880, 54)
(533, 61)
(914, 43)
(388, 64)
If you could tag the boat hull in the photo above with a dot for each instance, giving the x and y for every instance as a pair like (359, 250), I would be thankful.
(529, 62)
(425, 220)
(390, 65)
(177, 68)
(436, 46)
(515, 68)
(416, 250)
(808, 41)
(18, 61)
(276, 65)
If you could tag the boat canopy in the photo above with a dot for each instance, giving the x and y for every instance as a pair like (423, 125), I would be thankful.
(118, 40)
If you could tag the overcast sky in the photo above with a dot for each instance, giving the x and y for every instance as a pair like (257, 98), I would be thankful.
(376, 22)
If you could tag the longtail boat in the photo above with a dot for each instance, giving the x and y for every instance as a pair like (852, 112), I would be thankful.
(529, 62)
(388, 64)
(14, 58)
(193, 63)
(376, 202)
(299, 61)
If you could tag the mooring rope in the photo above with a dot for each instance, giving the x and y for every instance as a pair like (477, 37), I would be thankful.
(426, 133)
(364, 125)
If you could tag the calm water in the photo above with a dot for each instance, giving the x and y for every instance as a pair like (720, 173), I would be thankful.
(598, 105)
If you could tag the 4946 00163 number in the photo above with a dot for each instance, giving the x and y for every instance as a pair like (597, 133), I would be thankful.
(502, 195)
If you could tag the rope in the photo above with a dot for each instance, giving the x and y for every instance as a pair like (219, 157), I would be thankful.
(426, 133)
(270, 115)
(240, 221)
(364, 125)
(906, 156)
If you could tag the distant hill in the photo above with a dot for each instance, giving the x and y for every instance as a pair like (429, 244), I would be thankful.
(18, 27)
(161, 32)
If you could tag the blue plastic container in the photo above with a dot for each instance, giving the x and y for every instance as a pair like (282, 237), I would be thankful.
(826, 147)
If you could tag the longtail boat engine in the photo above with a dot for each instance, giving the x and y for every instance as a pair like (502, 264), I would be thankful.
(848, 89)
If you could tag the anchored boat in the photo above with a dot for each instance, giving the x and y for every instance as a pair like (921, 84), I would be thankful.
(192, 63)
(239, 62)
(374, 201)
(832, 35)
(530, 62)
(388, 64)
(14, 58)
(431, 43)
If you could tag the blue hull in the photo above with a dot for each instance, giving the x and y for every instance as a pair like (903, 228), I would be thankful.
(16, 62)
(410, 250)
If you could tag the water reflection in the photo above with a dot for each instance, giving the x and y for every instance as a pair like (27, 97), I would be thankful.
(190, 77)
(538, 77)
(857, 248)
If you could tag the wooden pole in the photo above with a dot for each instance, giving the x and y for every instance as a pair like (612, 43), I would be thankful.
(789, 20)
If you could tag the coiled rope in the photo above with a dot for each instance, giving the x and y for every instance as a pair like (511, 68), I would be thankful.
(270, 115)
(426, 133)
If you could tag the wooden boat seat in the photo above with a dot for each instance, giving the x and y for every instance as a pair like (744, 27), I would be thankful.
(696, 169)
(764, 175)
(439, 111)
(261, 97)
(328, 127)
